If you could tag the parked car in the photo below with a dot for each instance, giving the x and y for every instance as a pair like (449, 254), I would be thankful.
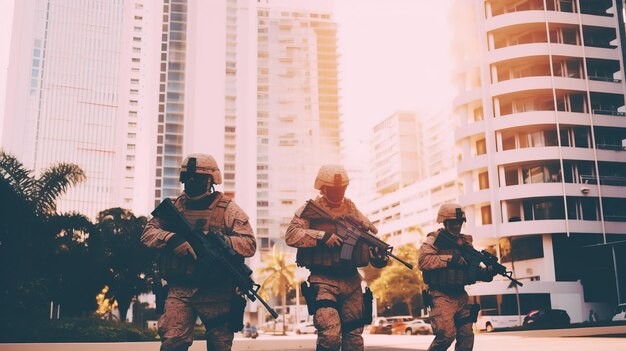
(490, 323)
(305, 328)
(380, 325)
(620, 313)
(550, 318)
(418, 326)
(398, 323)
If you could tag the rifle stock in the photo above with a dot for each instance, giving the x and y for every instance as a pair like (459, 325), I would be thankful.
(351, 231)
(212, 251)
(473, 256)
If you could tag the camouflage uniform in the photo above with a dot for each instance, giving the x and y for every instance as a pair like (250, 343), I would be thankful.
(188, 300)
(338, 285)
(449, 300)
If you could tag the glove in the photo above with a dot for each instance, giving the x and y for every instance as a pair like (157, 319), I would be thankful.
(331, 240)
(486, 274)
(377, 259)
(457, 261)
(180, 246)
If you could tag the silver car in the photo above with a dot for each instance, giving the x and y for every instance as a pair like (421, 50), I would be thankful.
(418, 326)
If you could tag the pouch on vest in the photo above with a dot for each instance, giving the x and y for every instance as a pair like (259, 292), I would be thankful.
(368, 308)
(310, 294)
(235, 316)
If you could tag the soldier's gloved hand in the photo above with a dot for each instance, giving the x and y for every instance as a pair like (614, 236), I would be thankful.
(331, 240)
(377, 253)
(180, 246)
(378, 258)
(457, 261)
(486, 274)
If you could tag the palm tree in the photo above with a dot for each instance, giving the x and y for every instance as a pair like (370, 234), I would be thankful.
(28, 231)
(128, 265)
(278, 278)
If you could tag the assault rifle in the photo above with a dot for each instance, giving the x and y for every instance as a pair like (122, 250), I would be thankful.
(351, 230)
(473, 256)
(212, 251)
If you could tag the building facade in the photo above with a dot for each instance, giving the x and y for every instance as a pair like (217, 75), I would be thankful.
(405, 210)
(543, 140)
(297, 109)
(63, 94)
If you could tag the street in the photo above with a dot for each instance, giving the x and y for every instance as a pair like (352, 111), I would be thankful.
(576, 339)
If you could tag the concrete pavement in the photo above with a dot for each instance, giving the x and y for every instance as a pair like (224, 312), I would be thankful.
(577, 339)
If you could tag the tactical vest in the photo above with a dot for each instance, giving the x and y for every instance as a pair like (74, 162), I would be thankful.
(447, 278)
(208, 212)
(323, 257)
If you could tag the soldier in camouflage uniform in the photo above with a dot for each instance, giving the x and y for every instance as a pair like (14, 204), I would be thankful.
(336, 284)
(447, 273)
(191, 296)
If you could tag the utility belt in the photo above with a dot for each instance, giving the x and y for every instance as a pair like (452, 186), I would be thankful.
(448, 277)
(310, 296)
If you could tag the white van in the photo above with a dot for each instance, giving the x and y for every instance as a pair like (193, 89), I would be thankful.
(620, 313)
(490, 323)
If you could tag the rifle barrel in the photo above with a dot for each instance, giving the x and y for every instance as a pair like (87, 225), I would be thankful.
(408, 265)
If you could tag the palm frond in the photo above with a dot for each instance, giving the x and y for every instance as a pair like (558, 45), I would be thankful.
(54, 182)
(13, 172)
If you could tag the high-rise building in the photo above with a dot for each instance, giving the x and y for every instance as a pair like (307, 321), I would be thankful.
(297, 108)
(405, 212)
(63, 93)
(543, 139)
(206, 87)
(395, 152)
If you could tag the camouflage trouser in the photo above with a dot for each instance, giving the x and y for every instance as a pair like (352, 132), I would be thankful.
(446, 309)
(182, 307)
(345, 291)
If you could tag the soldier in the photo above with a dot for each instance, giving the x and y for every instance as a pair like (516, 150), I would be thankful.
(446, 272)
(213, 298)
(335, 284)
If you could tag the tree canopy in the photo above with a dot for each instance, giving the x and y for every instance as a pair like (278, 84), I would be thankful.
(399, 285)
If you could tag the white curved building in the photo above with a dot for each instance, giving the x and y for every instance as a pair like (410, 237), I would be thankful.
(543, 140)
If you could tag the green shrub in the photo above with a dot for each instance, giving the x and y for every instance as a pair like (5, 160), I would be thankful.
(73, 330)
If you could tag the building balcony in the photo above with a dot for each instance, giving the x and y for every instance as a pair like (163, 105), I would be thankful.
(609, 113)
(605, 79)
(539, 83)
(614, 147)
(532, 17)
(531, 191)
(469, 130)
(542, 49)
(605, 86)
(475, 162)
(467, 97)
(534, 227)
(475, 197)
(527, 154)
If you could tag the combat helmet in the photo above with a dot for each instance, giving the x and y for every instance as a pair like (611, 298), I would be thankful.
(450, 210)
(331, 175)
(200, 164)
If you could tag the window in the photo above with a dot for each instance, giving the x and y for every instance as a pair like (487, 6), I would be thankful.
(481, 147)
(510, 176)
(485, 214)
(483, 180)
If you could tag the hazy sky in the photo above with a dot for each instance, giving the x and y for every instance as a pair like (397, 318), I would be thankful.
(394, 56)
